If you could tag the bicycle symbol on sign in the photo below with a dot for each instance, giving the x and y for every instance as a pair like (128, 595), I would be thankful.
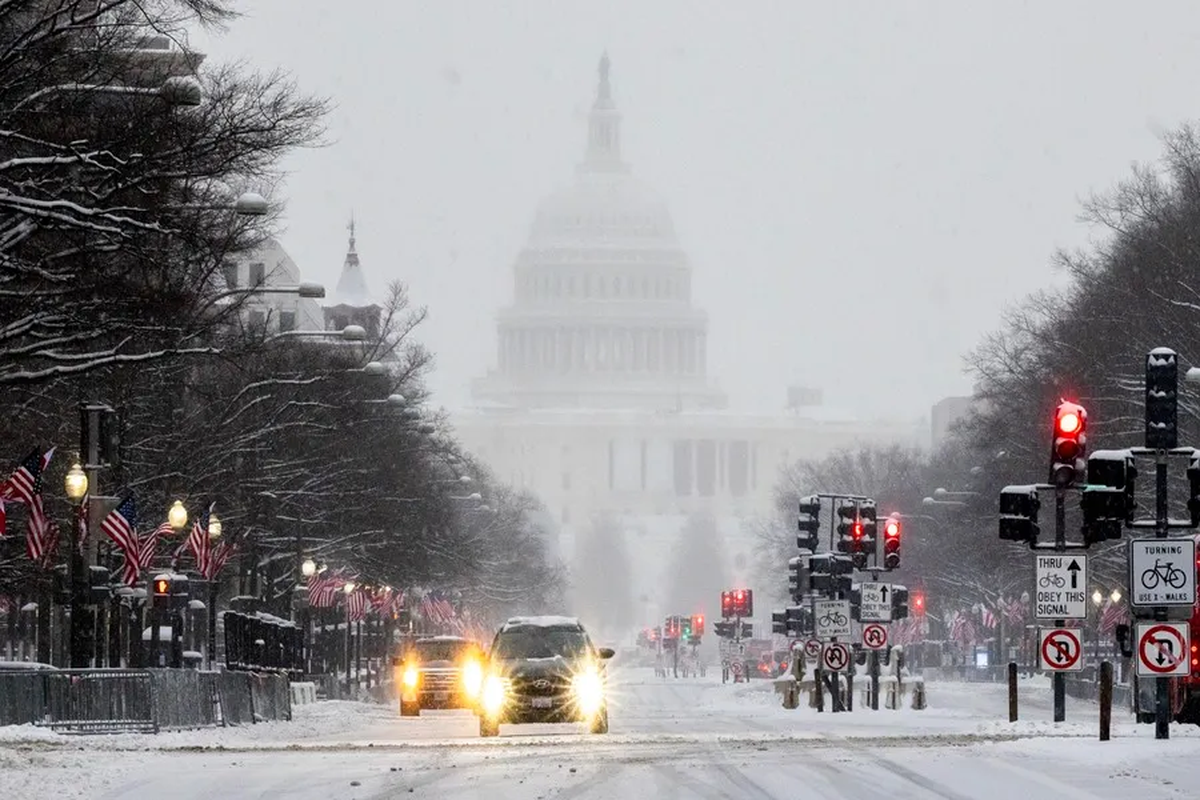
(1164, 572)
(1052, 579)
(833, 620)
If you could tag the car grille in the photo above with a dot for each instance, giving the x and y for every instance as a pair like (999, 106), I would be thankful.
(539, 687)
(440, 681)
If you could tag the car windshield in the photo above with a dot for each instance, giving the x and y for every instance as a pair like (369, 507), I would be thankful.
(541, 642)
(441, 651)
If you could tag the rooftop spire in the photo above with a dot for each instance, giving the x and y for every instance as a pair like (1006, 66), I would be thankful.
(351, 285)
(604, 127)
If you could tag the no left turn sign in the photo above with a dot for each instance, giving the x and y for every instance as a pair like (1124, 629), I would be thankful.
(1060, 650)
(874, 637)
(812, 648)
(836, 657)
(1162, 649)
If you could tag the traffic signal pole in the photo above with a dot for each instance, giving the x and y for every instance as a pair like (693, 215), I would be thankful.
(1060, 544)
(1162, 696)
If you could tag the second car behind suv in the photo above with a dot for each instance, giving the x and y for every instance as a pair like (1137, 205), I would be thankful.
(544, 669)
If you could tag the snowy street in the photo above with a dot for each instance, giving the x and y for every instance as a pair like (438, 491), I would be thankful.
(671, 739)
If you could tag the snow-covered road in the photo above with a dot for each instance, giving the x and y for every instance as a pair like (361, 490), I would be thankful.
(670, 739)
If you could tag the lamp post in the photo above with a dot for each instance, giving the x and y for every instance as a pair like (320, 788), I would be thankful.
(214, 534)
(76, 486)
(1097, 599)
(349, 590)
(308, 568)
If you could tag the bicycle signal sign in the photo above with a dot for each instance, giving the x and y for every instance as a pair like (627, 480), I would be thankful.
(832, 619)
(1060, 586)
(1162, 572)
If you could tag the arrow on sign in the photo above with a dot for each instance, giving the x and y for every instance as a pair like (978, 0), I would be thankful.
(883, 591)
(1165, 645)
(1074, 570)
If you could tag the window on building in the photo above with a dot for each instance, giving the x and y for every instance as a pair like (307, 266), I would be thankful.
(683, 468)
(258, 319)
(230, 271)
(706, 468)
(739, 468)
(287, 321)
(258, 274)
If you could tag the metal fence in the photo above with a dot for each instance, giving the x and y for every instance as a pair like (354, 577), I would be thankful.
(112, 700)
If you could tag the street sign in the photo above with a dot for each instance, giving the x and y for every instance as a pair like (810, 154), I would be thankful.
(1060, 650)
(1060, 587)
(1162, 572)
(874, 636)
(1162, 649)
(832, 618)
(876, 602)
(812, 648)
(835, 657)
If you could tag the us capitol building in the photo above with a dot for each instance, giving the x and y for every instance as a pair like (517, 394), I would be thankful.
(600, 400)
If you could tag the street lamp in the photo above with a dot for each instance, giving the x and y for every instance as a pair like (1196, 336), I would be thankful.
(214, 527)
(1115, 596)
(349, 587)
(1097, 597)
(76, 486)
(308, 568)
(214, 533)
(76, 483)
(350, 333)
(177, 517)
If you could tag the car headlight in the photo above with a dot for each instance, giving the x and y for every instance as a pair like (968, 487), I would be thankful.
(472, 678)
(588, 688)
(411, 677)
(494, 695)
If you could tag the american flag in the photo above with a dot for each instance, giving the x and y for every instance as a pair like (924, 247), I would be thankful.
(1114, 614)
(22, 484)
(41, 535)
(987, 617)
(120, 525)
(197, 542)
(356, 605)
(216, 559)
(323, 589)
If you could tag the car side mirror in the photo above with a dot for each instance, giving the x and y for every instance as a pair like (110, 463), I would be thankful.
(607, 653)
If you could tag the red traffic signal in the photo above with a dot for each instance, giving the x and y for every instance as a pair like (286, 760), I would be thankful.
(726, 605)
(918, 603)
(1070, 443)
(857, 530)
(697, 625)
(891, 543)
(891, 528)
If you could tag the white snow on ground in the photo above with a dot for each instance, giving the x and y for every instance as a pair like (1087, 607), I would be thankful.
(686, 739)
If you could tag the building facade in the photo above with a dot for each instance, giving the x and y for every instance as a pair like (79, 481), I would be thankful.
(600, 400)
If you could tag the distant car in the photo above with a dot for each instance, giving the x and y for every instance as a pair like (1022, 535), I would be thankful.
(544, 669)
(439, 672)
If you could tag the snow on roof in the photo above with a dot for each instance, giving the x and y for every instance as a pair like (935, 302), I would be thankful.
(543, 622)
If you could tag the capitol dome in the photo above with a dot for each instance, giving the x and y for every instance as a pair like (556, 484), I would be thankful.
(602, 207)
(602, 313)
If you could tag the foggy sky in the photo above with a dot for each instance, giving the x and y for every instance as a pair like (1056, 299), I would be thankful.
(854, 183)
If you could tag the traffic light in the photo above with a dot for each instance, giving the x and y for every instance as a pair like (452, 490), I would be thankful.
(1019, 514)
(697, 625)
(1070, 444)
(855, 603)
(798, 582)
(918, 604)
(779, 622)
(867, 516)
(799, 620)
(685, 629)
(809, 523)
(726, 605)
(891, 542)
(849, 529)
(900, 602)
(1193, 503)
(1108, 500)
(1162, 399)
(743, 603)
